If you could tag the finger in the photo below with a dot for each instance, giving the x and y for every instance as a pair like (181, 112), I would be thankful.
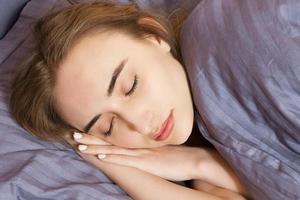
(96, 149)
(88, 139)
(125, 160)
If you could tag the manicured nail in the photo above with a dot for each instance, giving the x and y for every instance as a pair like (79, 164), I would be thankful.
(82, 147)
(77, 135)
(101, 156)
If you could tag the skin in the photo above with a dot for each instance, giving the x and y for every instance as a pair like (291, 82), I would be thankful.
(84, 76)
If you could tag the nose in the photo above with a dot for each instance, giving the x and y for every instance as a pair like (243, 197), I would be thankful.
(139, 121)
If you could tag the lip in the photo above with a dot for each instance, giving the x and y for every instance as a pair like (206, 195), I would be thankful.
(165, 129)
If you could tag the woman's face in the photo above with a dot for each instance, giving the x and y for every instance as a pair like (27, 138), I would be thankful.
(148, 85)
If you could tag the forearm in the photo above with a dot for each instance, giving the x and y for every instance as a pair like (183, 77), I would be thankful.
(221, 192)
(139, 184)
(144, 186)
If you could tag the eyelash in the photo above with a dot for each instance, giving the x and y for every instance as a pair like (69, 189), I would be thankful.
(108, 133)
(131, 91)
(133, 87)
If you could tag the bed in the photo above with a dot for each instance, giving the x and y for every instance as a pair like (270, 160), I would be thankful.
(242, 58)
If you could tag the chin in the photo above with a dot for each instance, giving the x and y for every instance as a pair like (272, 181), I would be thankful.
(182, 137)
(184, 129)
(184, 134)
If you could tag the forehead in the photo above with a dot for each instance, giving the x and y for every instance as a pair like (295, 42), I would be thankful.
(85, 73)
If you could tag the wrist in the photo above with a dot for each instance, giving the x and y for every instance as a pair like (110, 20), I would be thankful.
(214, 170)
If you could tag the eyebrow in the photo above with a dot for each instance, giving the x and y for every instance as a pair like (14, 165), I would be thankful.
(110, 90)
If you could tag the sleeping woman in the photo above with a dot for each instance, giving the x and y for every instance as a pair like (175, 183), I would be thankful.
(109, 80)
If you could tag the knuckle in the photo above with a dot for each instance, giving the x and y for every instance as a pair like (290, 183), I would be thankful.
(95, 149)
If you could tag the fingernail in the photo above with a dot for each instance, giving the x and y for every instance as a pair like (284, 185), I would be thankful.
(101, 156)
(82, 147)
(77, 135)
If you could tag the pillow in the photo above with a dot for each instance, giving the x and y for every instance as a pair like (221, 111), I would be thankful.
(168, 6)
(36, 169)
(9, 11)
(242, 59)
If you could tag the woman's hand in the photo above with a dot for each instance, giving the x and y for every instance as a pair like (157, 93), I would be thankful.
(175, 163)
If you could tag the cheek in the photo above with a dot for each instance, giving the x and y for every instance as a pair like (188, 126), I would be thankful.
(125, 138)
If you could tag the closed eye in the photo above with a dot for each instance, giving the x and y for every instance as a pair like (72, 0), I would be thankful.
(130, 92)
(108, 133)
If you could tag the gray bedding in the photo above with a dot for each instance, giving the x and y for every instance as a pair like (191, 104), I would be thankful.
(9, 13)
(243, 60)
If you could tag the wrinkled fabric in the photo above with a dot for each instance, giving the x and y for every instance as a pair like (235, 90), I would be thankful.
(9, 11)
(243, 62)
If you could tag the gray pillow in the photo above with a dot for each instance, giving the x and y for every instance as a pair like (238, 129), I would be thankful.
(9, 12)
(242, 59)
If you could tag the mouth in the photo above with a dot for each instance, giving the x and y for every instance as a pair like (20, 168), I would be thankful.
(166, 128)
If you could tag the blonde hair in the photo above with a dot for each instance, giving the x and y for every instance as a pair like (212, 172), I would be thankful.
(31, 100)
